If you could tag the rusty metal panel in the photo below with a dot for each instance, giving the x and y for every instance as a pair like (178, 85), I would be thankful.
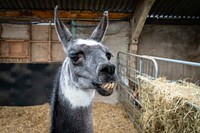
(40, 32)
(29, 43)
(4, 50)
(13, 49)
(14, 31)
(40, 52)
(57, 52)
(54, 35)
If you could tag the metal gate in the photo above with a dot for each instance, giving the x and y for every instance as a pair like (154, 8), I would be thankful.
(130, 66)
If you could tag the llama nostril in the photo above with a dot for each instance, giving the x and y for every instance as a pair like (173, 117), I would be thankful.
(110, 69)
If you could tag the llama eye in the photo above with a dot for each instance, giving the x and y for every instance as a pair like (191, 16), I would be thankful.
(74, 57)
(108, 55)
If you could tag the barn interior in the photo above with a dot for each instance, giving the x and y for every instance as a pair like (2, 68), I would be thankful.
(30, 52)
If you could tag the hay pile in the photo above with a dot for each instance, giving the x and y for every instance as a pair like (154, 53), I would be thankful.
(111, 118)
(107, 118)
(28, 119)
(170, 107)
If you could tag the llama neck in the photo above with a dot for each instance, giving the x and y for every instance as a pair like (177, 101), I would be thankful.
(77, 97)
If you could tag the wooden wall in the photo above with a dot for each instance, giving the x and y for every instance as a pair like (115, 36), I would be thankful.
(20, 43)
(31, 43)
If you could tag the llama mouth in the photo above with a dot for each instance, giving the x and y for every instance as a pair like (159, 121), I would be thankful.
(108, 86)
(105, 89)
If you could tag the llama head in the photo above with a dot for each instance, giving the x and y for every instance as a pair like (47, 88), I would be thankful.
(89, 60)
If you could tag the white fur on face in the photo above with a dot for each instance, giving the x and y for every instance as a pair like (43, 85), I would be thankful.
(76, 96)
(88, 42)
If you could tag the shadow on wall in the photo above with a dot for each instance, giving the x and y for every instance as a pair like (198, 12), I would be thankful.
(26, 84)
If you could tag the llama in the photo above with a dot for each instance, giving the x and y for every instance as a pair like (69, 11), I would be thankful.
(86, 69)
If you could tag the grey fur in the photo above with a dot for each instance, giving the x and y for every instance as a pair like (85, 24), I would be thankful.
(83, 71)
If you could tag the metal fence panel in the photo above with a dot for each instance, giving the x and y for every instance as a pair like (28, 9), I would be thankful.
(130, 66)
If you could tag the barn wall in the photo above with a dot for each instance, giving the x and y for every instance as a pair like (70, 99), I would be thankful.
(172, 41)
(32, 50)
(29, 43)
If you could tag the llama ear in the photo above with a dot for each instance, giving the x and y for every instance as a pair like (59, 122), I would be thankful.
(62, 31)
(100, 31)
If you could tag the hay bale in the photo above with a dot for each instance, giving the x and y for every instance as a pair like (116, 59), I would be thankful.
(169, 107)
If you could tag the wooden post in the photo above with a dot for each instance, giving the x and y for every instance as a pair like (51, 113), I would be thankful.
(138, 20)
(0, 30)
(49, 37)
(0, 37)
(29, 43)
(137, 23)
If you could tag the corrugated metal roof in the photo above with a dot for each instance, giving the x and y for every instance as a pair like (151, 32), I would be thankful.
(176, 9)
(81, 5)
(161, 9)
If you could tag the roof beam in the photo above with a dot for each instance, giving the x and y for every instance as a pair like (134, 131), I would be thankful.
(139, 17)
(32, 15)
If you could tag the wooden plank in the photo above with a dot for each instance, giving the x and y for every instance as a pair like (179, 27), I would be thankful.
(137, 23)
(29, 43)
(48, 14)
(49, 36)
(139, 17)
(0, 29)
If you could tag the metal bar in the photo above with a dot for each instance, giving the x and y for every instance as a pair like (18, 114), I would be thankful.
(193, 105)
(16, 57)
(155, 67)
(118, 64)
(140, 66)
(33, 41)
(13, 40)
(128, 90)
(143, 57)
(176, 61)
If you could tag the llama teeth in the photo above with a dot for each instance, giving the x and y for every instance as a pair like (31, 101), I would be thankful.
(106, 85)
(113, 84)
(110, 87)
